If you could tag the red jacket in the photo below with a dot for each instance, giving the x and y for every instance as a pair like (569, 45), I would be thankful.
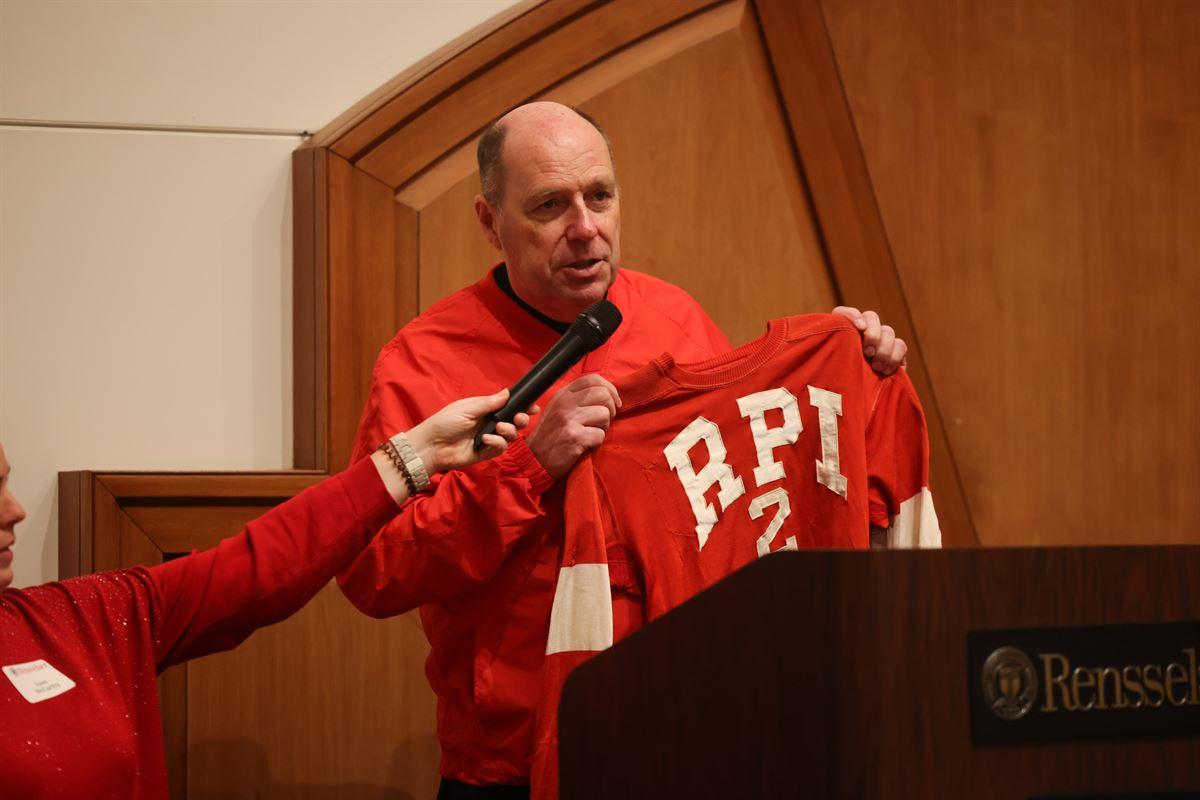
(479, 554)
(110, 634)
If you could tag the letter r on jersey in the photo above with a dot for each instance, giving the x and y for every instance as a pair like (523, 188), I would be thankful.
(716, 471)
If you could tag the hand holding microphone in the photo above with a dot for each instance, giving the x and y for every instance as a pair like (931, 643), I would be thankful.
(576, 418)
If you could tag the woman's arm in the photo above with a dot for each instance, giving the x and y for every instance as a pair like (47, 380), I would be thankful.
(212, 600)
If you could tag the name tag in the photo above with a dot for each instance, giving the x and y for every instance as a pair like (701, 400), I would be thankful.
(37, 680)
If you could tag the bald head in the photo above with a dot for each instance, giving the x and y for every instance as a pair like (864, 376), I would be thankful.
(542, 119)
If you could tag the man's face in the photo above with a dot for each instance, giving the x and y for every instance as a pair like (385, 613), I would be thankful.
(10, 514)
(559, 221)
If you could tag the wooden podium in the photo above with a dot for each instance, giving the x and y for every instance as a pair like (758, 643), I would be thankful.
(847, 675)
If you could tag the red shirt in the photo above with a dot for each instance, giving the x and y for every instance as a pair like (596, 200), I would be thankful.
(480, 554)
(789, 442)
(113, 632)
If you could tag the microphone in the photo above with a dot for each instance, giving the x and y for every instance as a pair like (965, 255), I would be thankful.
(589, 331)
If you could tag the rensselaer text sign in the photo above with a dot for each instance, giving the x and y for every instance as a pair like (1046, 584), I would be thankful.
(1105, 681)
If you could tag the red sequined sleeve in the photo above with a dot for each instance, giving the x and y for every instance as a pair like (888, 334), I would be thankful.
(212, 600)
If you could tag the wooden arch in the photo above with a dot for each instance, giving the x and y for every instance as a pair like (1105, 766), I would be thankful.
(377, 191)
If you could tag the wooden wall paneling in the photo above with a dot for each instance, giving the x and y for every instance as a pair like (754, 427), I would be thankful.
(105, 533)
(850, 222)
(182, 527)
(1035, 165)
(172, 698)
(407, 263)
(74, 506)
(159, 487)
(453, 251)
(778, 133)
(709, 202)
(135, 546)
(327, 704)
(370, 295)
(520, 76)
(632, 60)
(181, 512)
(309, 385)
(321, 243)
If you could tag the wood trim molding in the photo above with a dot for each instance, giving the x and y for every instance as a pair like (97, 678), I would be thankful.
(208, 487)
(850, 221)
(104, 514)
(309, 411)
(74, 506)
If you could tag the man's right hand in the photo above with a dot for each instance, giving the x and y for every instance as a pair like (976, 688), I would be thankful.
(573, 423)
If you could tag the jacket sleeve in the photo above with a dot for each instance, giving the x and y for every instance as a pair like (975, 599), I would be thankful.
(212, 600)
(901, 506)
(452, 538)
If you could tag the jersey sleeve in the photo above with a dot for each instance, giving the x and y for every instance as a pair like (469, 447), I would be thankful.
(451, 539)
(212, 600)
(900, 504)
(590, 610)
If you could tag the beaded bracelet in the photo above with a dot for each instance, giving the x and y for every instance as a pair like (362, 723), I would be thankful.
(406, 460)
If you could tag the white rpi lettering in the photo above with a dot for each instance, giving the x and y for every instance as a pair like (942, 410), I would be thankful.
(767, 441)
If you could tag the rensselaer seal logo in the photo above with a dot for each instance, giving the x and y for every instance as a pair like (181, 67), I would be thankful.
(1009, 683)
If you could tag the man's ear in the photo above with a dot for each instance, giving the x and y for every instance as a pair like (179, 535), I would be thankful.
(487, 221)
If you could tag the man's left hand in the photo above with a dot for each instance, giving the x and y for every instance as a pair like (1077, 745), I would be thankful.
(881, 346)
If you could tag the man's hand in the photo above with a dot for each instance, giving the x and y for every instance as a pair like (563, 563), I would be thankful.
(880, 343)
(575, 421)
(446, 440)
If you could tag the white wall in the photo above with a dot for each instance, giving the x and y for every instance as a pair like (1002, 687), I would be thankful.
(145, 318)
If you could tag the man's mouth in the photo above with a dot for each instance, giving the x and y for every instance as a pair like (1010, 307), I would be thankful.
(583, 264)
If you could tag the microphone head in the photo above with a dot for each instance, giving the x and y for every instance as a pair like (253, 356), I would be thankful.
(597, 323)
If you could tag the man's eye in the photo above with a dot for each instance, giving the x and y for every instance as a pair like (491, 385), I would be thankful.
(548, 205)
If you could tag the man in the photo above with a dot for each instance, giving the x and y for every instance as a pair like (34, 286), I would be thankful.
(479, 555)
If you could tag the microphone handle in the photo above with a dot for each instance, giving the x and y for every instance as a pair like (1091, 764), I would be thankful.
(541, 376)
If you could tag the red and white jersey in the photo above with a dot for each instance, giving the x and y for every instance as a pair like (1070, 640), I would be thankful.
(788, 442)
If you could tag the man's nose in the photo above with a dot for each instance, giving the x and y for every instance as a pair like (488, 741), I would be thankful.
(583, 223)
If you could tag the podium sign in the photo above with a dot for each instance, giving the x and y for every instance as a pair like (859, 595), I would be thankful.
(1106, 681)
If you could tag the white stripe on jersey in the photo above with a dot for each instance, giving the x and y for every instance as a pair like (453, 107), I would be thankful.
(582, 616)
(917, 524)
